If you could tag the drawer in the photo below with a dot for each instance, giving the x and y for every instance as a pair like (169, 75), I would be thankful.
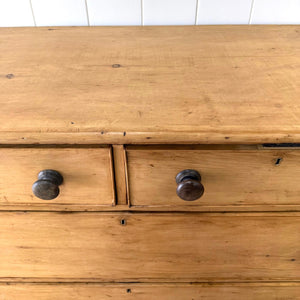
(143, 247)
(233, 177)
(151, 291)
(87, 177)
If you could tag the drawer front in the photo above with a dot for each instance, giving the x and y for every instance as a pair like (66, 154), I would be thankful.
(179, 247)
(232, 178)
(86, 172)
(83, 291)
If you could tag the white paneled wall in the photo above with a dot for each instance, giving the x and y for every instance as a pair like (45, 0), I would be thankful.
(115, 12)
(224, 12)
(147, 12)
(168, 12)
(16, 13)
(276, 11)
(59, 12)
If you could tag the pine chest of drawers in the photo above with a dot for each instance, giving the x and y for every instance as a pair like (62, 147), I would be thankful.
(150, 163)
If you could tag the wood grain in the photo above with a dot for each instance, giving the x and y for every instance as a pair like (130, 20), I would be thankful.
(182, 84)
(149, 247)
(231, 177)
(87, 174)
(120, 170)
(258, 291)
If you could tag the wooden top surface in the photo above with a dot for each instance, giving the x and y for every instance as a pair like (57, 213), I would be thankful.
(192, 84)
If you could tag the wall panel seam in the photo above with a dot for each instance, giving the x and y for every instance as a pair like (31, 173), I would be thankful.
(196, 14)
(142, 12)
(32, 12)
(87, 12)
(251, 12)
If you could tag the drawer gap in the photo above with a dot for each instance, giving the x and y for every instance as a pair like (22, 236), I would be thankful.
(282, 145)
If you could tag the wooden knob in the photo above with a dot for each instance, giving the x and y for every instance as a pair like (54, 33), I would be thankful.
(47, 185)
(189, 186)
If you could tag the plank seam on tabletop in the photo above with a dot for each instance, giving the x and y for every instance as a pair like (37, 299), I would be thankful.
(271, 283)
(196, 14)
(251, 12)
(87, 12)
(148, 281)
(33, 16)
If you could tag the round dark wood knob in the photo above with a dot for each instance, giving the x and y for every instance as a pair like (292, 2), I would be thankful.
(47, 185)
(189, 186)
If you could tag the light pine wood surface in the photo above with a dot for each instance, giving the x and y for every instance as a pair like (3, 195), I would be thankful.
(123, 247)
(120, 171)
(232, 178)
(75, 89)
(182, 84)
(230, 291)
(87, 173)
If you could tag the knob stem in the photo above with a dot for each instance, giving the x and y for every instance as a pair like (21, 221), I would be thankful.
(188, 174)
(51, 175)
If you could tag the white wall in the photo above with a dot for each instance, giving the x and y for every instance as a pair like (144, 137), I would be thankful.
(147, 12)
